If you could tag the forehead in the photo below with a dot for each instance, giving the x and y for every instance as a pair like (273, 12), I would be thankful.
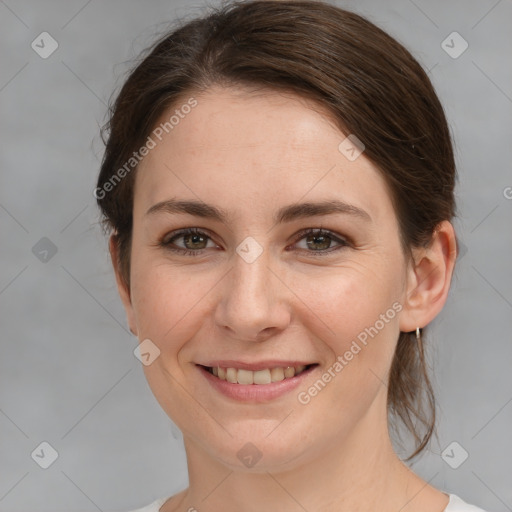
(247, 122)
(241, 146)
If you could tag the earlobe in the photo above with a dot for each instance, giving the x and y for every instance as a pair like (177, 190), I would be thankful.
(429, 278)
(122, 287)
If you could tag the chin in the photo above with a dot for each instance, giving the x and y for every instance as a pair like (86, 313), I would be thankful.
(259, 451)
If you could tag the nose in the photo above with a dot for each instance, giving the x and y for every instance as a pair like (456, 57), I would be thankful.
(253, 304)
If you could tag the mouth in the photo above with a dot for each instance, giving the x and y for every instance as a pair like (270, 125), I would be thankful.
(261, 384)
(262, 377)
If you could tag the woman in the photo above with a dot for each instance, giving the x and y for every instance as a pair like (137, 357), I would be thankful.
(278, 178)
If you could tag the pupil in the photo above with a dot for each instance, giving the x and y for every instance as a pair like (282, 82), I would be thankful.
(196, 239)
(323, 241)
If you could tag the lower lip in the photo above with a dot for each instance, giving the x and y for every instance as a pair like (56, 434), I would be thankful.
(255, 392)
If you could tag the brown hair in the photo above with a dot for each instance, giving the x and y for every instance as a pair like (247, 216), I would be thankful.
(369, 82)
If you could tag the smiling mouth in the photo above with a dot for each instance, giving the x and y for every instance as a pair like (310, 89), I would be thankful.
(260, 377)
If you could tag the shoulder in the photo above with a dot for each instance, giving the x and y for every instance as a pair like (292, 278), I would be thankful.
(152, 507)
(456, 504)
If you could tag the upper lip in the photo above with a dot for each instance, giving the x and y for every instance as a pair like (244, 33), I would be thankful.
(256, 365)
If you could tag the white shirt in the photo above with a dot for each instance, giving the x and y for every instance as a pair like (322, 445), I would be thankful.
(455, 504)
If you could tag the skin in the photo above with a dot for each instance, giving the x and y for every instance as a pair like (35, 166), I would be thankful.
(251, 154)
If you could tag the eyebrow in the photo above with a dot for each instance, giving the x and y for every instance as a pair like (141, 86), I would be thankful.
(284, 214)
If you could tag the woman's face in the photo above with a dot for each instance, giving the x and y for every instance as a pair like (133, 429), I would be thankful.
(250, 290)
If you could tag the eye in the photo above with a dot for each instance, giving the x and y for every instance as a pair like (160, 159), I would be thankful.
(317, 241)
(320, 241)
(194, 241)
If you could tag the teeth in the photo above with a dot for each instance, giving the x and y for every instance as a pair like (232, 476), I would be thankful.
(277, 374)
(262, 377)
(246, 377)
(231, 374)
(289, 372)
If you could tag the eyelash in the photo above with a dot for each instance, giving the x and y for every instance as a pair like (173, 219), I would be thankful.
(166, 242)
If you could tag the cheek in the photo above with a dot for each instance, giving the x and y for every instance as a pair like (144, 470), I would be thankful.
(357, 320)
(341, 303)
(168, 302)
(336, 305)
(355, 315)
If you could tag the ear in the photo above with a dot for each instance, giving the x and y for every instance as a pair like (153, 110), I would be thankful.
(428, 279)
(122, 287)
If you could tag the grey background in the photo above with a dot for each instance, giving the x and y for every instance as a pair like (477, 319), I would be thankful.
(67, 369)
